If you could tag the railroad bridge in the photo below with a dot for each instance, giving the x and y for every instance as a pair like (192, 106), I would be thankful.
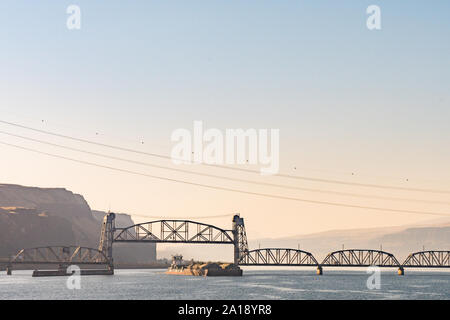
(62, 257)
(186, 231)
(173, 231)
(192, 232)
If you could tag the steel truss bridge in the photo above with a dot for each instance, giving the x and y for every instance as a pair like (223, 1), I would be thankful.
(192, 232)
(60, 255)
(174, 231)
(360, 258)
(278, 257)
(428, 259)
(186, 231)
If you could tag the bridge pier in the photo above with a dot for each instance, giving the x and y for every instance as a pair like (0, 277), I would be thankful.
(319, 270)
(401, 271)
(9, 270)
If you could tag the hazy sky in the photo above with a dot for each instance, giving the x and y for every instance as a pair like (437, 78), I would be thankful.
(346, 100)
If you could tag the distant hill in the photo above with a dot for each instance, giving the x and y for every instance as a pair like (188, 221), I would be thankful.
(33, 217)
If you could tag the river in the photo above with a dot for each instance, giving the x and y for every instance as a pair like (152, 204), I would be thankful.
(255, 284)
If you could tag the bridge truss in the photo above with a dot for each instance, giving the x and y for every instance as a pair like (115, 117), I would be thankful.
(278, 257)
(60, 255)
(360, 258)
(174, 231)
(428, 259)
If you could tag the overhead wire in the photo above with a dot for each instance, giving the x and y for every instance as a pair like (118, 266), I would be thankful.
(226, 188)
(225, 177)
(230, 168)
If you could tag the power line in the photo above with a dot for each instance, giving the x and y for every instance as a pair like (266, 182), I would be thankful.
(332, 171)
(226, 167)
(227, 189)
(224, 177)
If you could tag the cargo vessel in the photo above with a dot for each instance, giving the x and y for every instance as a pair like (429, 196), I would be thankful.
(210, 269)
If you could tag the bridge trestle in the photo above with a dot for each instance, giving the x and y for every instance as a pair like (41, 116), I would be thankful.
(360, 258)
(62, 256)
(186, 231)
(428, 259)
(173, 231)
(278, 257)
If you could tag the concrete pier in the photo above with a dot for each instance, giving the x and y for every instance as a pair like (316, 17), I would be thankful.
(401, 271)
(319, 271)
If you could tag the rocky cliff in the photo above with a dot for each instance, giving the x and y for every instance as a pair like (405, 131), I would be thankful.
(123, 253)
(23, 228)
(33, 217)
(54, 203)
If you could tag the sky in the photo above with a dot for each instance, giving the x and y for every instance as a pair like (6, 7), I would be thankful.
(352, 104)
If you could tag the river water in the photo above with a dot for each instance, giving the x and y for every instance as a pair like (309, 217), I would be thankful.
(255, 284)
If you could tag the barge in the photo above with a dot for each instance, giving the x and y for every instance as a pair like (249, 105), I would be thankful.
(210, 269)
